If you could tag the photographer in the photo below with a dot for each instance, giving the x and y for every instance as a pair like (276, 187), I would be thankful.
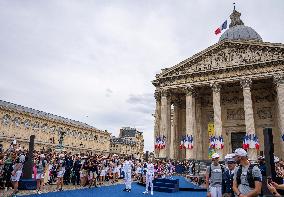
(277, 187)
(272, 186)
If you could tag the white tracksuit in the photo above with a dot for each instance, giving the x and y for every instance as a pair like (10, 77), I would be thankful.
(127, 167)
(149, 176)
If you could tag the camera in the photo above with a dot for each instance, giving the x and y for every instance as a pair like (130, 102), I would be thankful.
(269, 179)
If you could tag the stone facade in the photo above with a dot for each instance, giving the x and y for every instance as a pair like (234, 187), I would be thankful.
(18, 122)
(236, 84)
(129, 142)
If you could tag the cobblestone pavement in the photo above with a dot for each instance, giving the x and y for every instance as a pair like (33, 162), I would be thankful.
(50, 188)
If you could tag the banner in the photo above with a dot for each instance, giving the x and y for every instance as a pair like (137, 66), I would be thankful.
(211, 133)
(211, 129)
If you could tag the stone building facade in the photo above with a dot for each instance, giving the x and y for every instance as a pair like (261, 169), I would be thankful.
(129, 142)
(236, 84)
(18, 122)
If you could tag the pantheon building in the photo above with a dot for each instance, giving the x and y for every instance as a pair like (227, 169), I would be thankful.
(236, 85)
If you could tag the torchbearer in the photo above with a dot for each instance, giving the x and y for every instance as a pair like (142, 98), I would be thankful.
(149, 176)
(127, 168)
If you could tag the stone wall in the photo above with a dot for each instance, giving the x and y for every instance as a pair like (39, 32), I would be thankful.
(20, 125)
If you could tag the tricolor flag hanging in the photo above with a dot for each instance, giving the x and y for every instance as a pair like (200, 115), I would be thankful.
(246, 142)
(158, 143)
(190, 142)
(212, 142)
(255, 138)
(219, 29)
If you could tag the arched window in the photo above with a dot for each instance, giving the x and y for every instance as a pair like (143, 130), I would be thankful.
(44, 127)
(35, 125)
(27, 123)
(52, 129)
(6, 119)
(67, 131)
(17, 121)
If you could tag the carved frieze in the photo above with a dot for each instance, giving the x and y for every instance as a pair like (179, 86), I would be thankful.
(231, 99)
(264, 113)
(264, 97)
(236, 114)
(227, 57)
(258, 70)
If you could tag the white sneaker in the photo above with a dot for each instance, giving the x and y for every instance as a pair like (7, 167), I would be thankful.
(146, 192)
(39, 192)
(152, 193)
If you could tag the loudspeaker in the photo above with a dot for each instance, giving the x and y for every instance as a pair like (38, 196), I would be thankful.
(269, 152)
(147, 156)
(28, 165)
(269, 159)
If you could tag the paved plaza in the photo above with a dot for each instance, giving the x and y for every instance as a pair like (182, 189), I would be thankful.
(116, 191)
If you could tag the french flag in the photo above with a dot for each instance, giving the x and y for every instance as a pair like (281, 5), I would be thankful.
(246, 142)
(219, 29)
(256, 142)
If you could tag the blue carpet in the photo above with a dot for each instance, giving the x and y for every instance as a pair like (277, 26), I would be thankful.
(183, 183)
(116, 191)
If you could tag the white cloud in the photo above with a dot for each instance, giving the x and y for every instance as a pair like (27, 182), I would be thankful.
(94, 61)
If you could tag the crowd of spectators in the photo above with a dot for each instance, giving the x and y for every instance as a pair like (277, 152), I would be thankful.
(94, 170)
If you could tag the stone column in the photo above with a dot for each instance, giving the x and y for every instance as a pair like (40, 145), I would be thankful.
(198, 151)
(190, 119)
(249, 118)
(175, 130)
(157, 119)
(279, 82)
(217, 113)
(165, 122)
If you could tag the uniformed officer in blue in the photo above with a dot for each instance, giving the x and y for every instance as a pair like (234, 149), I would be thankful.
(228, 176)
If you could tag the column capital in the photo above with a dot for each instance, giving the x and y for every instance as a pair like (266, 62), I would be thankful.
(189, 90)
(177, 102)
(157, 95)
(278, 79)
(246, 83)
(165, 92)
(216, 87)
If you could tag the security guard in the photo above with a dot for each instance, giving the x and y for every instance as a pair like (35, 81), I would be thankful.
(228, 176)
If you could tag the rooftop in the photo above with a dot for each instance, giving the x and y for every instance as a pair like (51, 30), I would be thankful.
(41, 114)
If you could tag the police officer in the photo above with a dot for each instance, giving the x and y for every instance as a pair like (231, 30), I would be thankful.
(214, 177)
(227, 184)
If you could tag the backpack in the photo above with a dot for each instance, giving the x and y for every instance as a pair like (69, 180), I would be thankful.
(250, 177)
(222, 168)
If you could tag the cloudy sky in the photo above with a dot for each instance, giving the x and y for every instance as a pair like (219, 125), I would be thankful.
(94, 61)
